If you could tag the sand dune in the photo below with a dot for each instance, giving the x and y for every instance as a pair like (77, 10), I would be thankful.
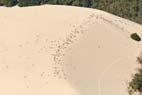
(60, 50)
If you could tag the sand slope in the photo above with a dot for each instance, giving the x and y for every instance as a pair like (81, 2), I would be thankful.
(59, 50)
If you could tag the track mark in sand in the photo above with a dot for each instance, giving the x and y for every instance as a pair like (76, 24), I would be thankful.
(106, 70)
(120, 24)
(59, 54)
(72, 37)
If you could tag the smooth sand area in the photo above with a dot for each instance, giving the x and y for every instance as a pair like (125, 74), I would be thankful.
(60, 50)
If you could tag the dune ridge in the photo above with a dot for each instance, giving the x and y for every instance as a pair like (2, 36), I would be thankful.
(66, 50)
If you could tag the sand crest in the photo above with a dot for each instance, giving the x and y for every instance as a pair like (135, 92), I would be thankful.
(60, 50)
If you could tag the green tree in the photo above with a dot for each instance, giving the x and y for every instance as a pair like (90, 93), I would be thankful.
(76, 3)
(8, 3)
(29, 2)
(135, 86)
(86, 3)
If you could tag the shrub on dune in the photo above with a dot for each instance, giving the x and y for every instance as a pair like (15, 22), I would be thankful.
(135, 37)
(135, 86)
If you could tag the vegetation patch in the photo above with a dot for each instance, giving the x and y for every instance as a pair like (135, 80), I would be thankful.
(135, 85)
(135, 37)
(29, 2)
(8, 3)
